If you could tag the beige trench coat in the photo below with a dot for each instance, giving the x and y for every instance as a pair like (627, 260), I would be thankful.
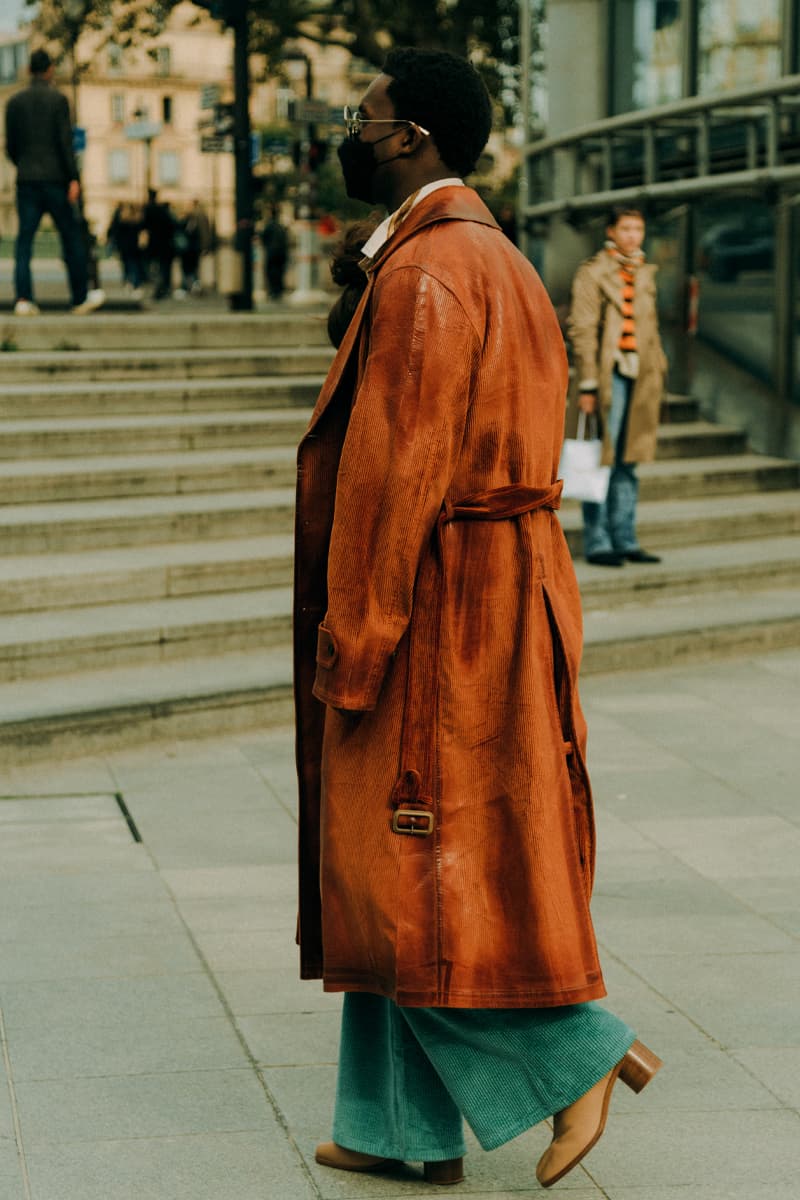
(446, 828)
(595, 324)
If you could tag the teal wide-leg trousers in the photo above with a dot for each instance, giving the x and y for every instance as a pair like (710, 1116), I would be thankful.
(407, 1076)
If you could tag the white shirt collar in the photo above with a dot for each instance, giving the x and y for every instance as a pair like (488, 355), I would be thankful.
(381, 235)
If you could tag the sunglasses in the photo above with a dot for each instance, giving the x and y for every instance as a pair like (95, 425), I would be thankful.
(354, 122)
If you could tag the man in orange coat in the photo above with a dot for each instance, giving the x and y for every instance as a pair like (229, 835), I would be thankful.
(446, 831)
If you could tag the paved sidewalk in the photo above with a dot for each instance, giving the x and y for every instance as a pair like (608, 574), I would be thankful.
(159, 1045)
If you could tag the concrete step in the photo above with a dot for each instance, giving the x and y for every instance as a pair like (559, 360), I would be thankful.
(675, 407)
(143, 520)
(21, 401)
(44, 437)
(34, 481)
(698, 439)
(92, 712)
(42, 481)
(692, 628)
(104, 365)
(724, 474)
(150, 331)
(750, 565)
(95, 712)
(676, 523)
(52, 643)
(31, 583)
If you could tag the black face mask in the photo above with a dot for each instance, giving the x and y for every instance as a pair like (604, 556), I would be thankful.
(359, 165)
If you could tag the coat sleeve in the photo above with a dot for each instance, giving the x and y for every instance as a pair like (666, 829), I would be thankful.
(11, 132)
(585, 315)
(399, 455)
(64, 138)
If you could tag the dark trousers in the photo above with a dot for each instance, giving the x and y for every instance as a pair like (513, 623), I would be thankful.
(33, 201)
(274, 273)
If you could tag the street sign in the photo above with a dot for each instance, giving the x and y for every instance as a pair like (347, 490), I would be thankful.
(216, 143)
(78, 139)
(255, 148)
(143, 131)
(276, 145)
(209, 95)
(310, 110)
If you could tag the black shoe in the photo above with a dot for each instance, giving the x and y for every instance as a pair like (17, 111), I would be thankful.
(605, 558)
(640, 556)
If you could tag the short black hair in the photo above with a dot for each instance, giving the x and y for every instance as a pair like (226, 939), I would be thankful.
(445, 94)
(618, 211)
(40, 62)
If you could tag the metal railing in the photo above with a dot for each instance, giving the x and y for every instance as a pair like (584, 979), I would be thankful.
(748, 139)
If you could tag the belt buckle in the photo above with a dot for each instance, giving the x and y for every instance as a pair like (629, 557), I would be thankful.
(404, 820)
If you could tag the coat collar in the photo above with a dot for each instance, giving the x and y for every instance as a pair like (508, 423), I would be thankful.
(445, 204)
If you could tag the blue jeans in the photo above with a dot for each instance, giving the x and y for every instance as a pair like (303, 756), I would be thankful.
(611, 526)
(33, 201)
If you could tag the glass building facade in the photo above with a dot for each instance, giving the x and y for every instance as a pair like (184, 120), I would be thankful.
(735, 244)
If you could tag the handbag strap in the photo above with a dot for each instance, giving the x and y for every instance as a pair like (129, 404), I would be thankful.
(583, 421)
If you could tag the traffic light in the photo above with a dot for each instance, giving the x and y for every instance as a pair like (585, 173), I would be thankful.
(317, 153)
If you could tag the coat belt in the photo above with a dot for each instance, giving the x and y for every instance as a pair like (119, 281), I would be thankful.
(502, 503)
(412, 799)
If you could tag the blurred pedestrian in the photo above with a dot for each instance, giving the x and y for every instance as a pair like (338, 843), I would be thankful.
(275, 240)
(125, 235)
(39, 143)
(621, 365)
(507, 220)
(159, 224)
(188, 245)
(445, 815)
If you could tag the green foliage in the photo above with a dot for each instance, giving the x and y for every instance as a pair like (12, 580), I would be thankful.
(487, 31)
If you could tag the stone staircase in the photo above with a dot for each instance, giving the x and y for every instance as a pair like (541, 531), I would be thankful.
(146, 505)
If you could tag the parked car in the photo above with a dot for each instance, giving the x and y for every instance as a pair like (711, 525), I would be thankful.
(726, 250)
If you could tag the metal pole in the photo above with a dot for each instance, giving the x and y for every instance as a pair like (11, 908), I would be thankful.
(525, 110)
(243, 300)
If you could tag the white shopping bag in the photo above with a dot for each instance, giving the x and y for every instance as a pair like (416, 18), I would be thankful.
(583, 476)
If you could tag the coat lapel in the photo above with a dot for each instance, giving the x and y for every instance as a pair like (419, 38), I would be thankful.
(445, 204)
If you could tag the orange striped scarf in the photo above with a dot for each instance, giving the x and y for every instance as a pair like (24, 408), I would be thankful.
(627, 275)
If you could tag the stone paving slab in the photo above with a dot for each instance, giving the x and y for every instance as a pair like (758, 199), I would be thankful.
(160, 1044)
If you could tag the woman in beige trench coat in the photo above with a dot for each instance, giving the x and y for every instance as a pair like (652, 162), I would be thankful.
(613, 326)
(446, 829)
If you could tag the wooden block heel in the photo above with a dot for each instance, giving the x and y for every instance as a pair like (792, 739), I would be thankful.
(639, 1066)
(450, 1171)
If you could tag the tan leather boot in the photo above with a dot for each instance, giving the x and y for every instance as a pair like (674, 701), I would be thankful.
(331, 1155)
(579, 1127)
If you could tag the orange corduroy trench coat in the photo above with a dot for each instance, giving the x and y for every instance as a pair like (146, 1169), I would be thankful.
(446, 828)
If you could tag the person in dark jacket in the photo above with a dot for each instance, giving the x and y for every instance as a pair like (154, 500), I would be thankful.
(276, 253)
(160, 225)
(39, 143)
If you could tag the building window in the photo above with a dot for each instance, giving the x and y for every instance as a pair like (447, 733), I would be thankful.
(166, 110)
(163, 60)
(117, 108)
(169, 168)
(736, 268)
(115, 64)
(647, 54)
(739, 44)
(119, 166)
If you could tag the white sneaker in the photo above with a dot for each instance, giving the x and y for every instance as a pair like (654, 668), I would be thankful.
(179, 294)
(95, 298)
(26, 308)
(137, 293)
